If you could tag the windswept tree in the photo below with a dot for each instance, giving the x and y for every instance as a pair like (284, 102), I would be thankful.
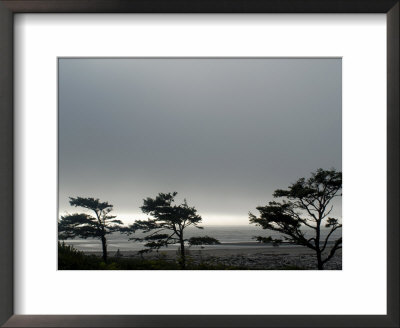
(306, 203)
(85, 226)
(167, 225)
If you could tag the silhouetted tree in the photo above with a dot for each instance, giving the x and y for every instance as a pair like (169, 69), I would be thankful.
(86, 226)
(168, 224)
(305, 202)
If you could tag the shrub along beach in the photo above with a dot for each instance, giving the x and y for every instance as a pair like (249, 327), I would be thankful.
(224, 257)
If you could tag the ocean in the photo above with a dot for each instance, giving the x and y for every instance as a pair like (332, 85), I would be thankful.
(229, 236)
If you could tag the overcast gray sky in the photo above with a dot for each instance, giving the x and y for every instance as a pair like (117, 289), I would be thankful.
(223, 133)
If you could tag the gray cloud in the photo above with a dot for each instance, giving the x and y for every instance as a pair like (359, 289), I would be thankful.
(224, 133)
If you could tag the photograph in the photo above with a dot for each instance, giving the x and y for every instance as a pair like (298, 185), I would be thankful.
(199, 163)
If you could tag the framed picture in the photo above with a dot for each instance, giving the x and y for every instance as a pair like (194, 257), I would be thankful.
(244, 117)
(201, 144)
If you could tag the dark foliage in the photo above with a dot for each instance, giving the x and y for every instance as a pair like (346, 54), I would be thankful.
(167, 224)
(206, 240)
(305, 203)
(269, 240)
(86, 226)
(71, 259)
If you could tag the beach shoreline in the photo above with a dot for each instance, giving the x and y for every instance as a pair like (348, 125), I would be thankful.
(252, 255)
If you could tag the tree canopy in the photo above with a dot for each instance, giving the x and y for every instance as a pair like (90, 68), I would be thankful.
(168, 224)
(305, 203)
(85, 226)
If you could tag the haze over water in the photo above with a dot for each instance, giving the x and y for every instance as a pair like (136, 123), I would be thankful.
(234, 236)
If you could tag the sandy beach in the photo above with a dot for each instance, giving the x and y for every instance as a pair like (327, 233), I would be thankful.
(250, 255)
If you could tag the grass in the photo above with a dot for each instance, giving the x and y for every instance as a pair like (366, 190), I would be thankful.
(71, 259)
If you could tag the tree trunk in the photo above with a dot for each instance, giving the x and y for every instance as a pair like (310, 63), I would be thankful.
(317, 243)
(319, 259)
(104, 244)
(183, 258)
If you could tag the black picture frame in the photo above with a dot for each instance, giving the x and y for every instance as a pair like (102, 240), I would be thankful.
(10, 7)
